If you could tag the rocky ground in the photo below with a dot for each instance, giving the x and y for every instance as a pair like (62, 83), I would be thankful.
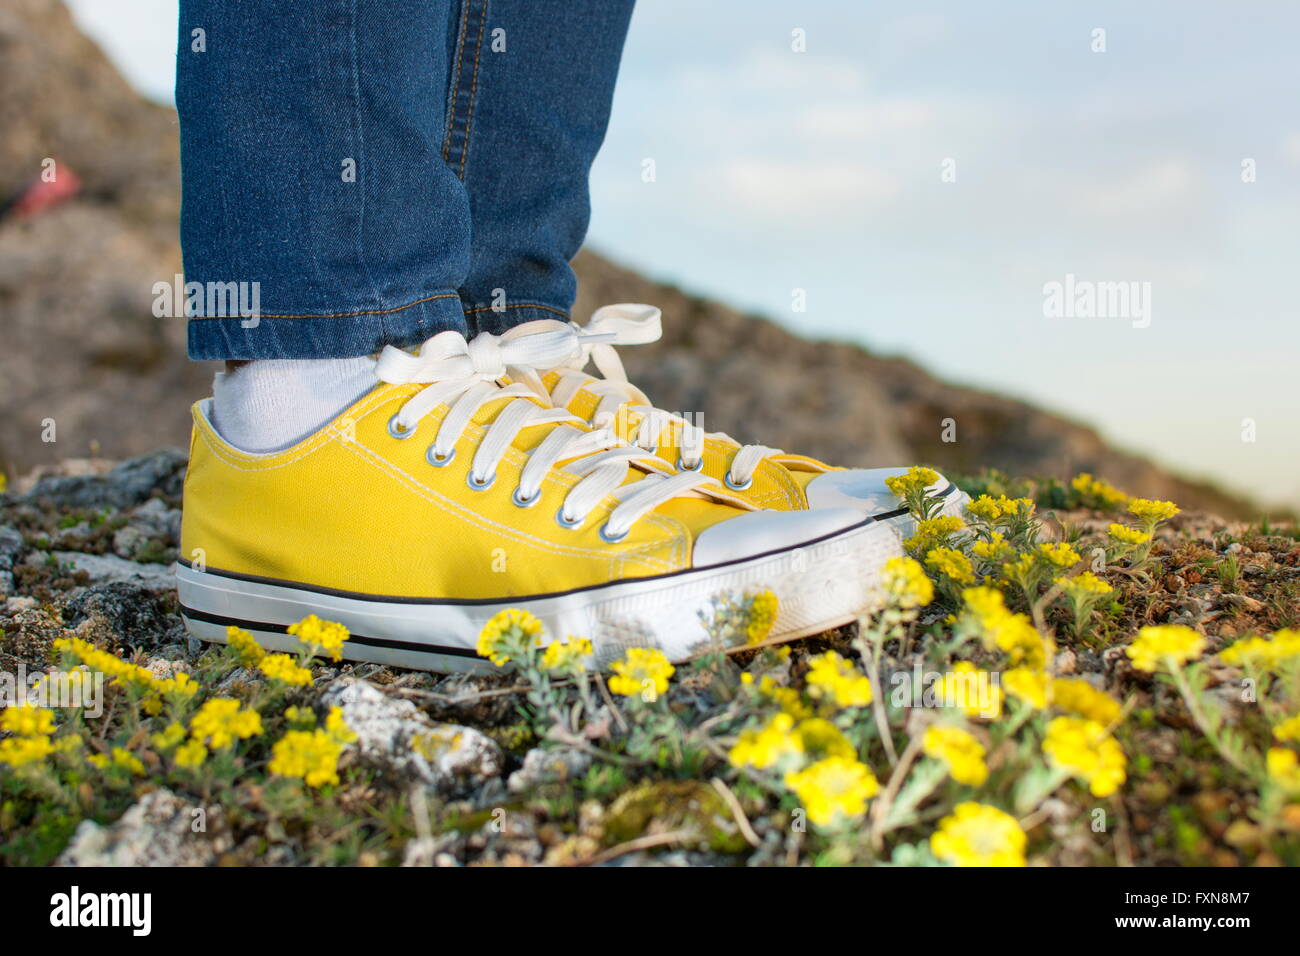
(86, 549)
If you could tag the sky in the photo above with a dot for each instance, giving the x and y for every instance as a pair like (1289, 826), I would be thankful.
(922, 179)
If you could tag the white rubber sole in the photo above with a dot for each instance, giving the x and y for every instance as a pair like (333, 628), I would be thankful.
(819, 585)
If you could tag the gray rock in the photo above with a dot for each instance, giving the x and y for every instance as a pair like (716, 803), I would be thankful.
(398, 737)
(160, 830)
(106, 568)
(542, 765)
(136, 613)
(129, 484)
(11, 546)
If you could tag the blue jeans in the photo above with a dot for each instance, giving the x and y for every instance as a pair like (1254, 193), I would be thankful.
(358, 173)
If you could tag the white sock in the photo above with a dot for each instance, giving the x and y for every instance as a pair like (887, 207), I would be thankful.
(270, 404)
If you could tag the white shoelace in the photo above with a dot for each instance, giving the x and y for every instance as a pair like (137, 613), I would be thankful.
(464, 374)
(634, 324)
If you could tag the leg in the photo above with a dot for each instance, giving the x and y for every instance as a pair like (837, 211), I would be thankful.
(531, 88)
(311, 153)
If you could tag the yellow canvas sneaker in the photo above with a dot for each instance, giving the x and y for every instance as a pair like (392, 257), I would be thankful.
(765, 477)
(442, 497)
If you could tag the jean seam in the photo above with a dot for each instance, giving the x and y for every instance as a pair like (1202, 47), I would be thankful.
(454, 86)
(460, 118)
(361, 152)
(473, 87)
(332, 315)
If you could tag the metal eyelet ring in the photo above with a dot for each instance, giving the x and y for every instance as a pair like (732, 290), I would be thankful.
(395, 432)
(437, 460)
(523, 502)
(564, 522)
(477, 485)
(726, 479)
(650, 451)
(698, 466)
(610, 538)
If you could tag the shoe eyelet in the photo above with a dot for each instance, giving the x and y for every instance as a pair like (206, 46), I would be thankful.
(476, 484)
(698, 466)
(523, 502)
(735, 486)
(399, 434)
(610, 538)
(564, 522)
(436, 460)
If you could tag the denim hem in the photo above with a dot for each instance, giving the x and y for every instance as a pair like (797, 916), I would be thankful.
(498, 320)
(307, 337)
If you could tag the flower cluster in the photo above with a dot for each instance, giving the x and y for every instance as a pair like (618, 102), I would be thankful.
(313, 755)
(32, 728)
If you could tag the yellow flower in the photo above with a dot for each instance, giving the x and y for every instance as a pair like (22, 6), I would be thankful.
(995, 550)
(976, 834)
(1028, 684)
(1126, 535)
(27, 721)
(1289, 729)
(310, 755)
(1284, 768)
(321, 636)
(984, 609)
(285, 669)
(639, 671)
(952, 564)
(505, 626)
(1261, 652)
(179, 687)
(1168, 644)
(1085, 587)
(172, 735)
(1152, 512)
(833, 789)
(905, 582)
(17, 751)
(338, 728)
(831, 678)
(959, 749)
(191, 754)
(301, 716)
(970, 690)
(220, 721)
(1085, 749)
(992, 509)
(1059, 554)
(767, 746)
(1079, 697)
(565, 655)
(244, 645)
(915, 482)
(762, 615)
(1098, 493)
(786, 698)
(820, 738)
(127, 761)
(933, 531)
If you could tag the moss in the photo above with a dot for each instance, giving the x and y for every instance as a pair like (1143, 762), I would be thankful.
(672, 805)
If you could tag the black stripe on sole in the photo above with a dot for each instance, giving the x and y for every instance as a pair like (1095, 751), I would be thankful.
(411, 646)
